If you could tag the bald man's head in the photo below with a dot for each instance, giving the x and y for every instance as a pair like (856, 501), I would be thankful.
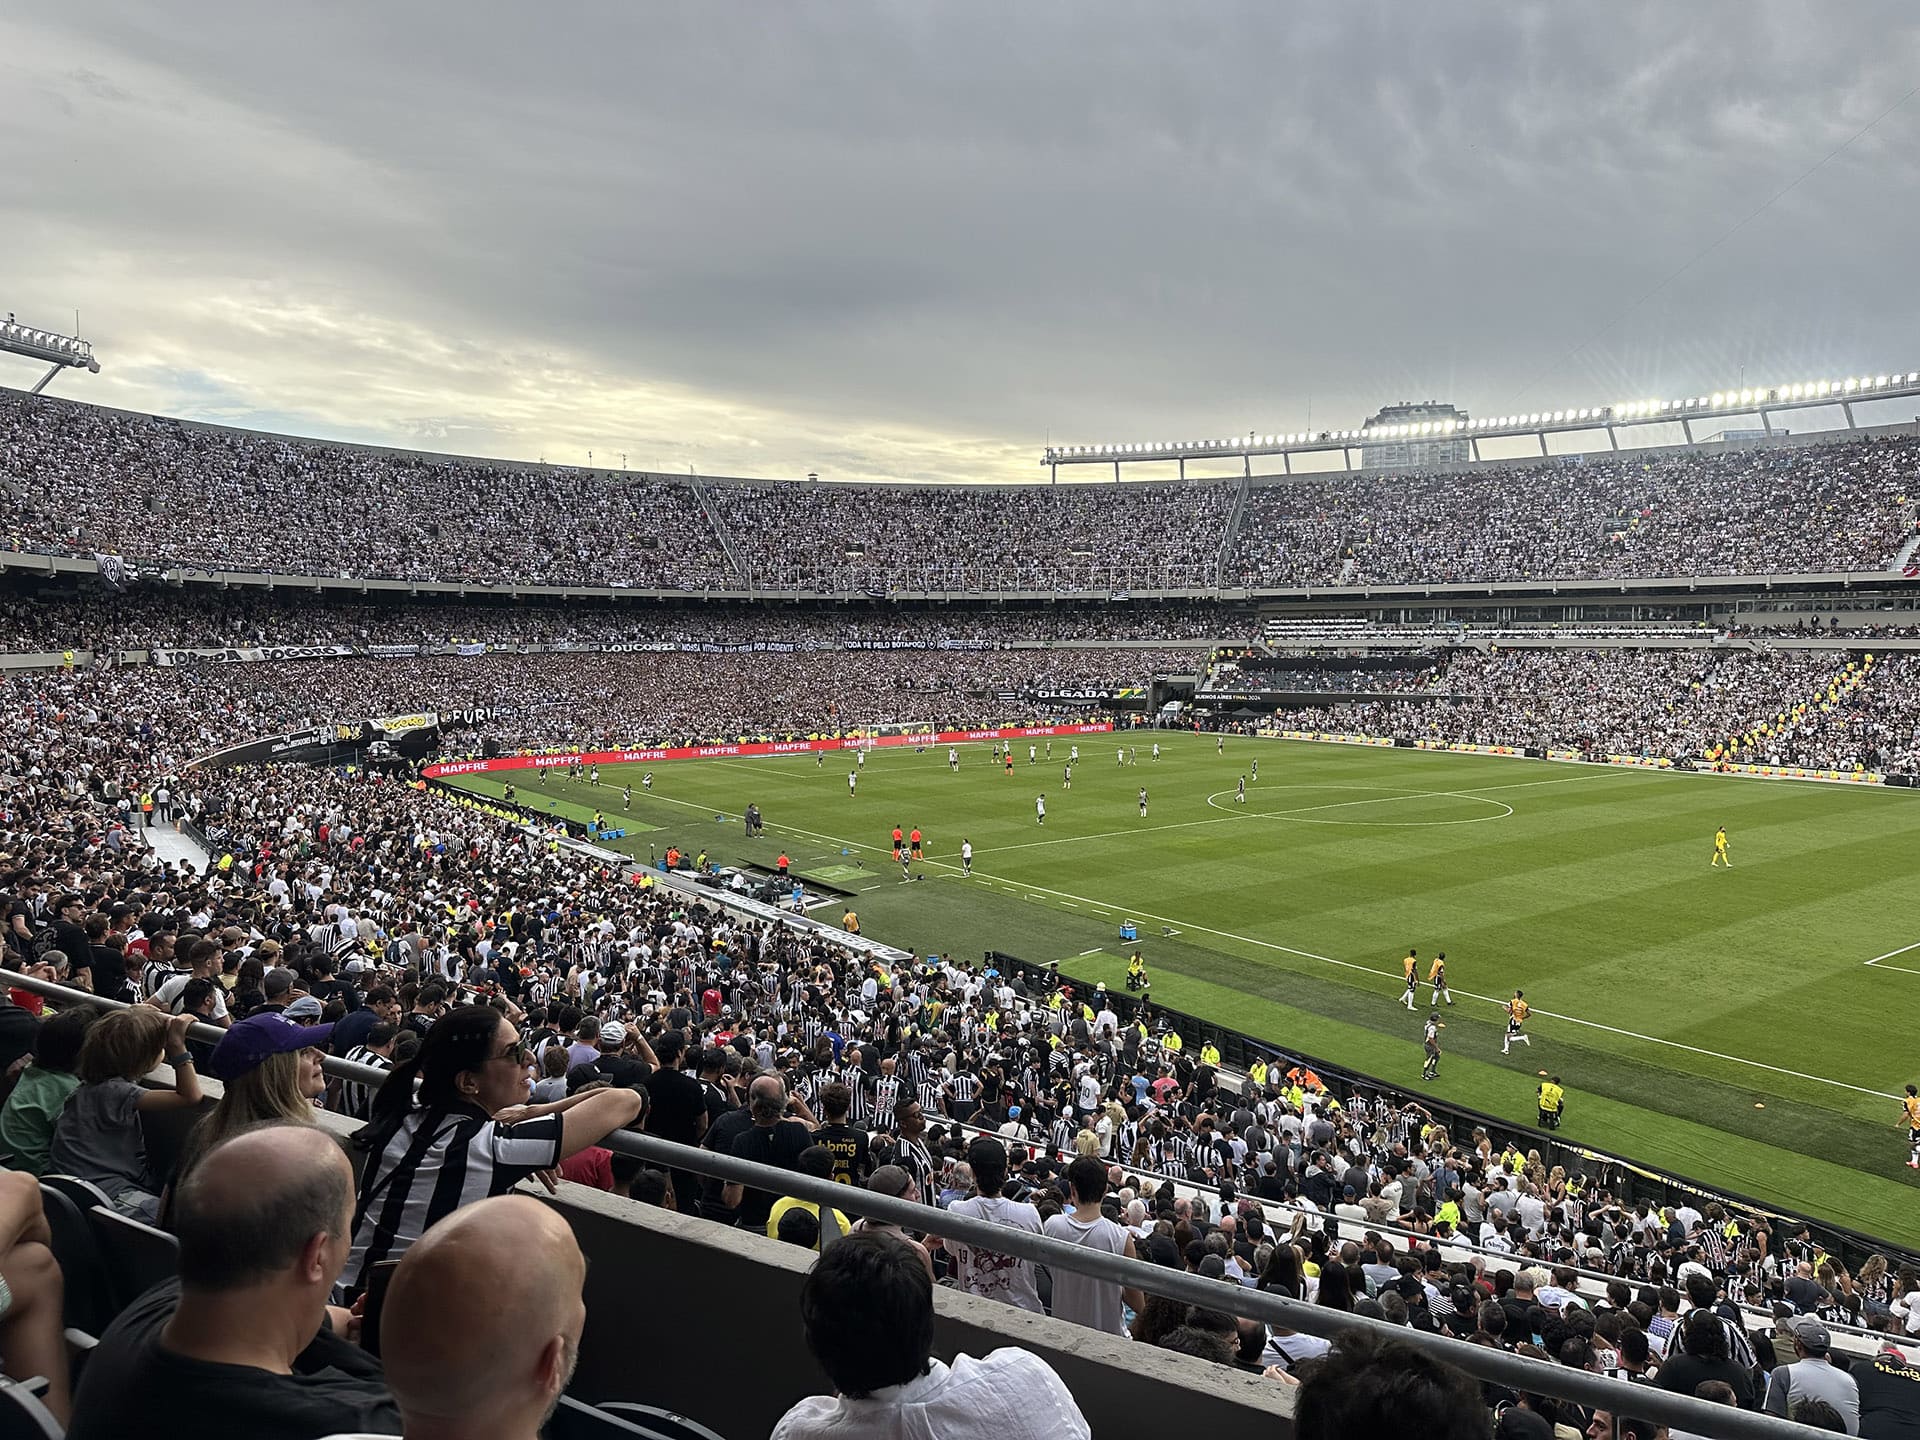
(251, 1210)
(767, 1099)
(510, 1269)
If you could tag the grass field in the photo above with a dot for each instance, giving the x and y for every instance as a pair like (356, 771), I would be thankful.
(1724, 1024)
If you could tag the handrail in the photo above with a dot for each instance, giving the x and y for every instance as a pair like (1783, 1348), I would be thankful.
(1236, 1045)
(1484, 1363)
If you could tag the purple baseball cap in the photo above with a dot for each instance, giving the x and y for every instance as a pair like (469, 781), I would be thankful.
(257, 1039)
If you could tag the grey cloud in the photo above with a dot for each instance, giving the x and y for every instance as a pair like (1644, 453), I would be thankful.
(1001, 221)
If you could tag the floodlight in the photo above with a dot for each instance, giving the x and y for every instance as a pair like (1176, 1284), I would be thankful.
(1879, 381)
(57, 352)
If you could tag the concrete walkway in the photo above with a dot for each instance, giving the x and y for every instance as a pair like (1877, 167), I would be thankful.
(175, 848)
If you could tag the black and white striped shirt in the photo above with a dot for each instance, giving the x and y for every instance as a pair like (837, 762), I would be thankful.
(855, 1079)
(434, 1163)
(912, 1156)
(886, 1094)
(356, 1099)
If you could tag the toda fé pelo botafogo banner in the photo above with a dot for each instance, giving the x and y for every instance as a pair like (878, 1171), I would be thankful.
(754, 747)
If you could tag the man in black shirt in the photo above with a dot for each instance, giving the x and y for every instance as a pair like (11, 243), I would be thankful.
(108, 962)
(725, 1129)
(771, 1139)
(621, 1069)
(238, 1344)
(70, 935)
(848, 1144)
(679, 1110)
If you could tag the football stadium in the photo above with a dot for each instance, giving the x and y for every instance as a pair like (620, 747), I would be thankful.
(1395, 921)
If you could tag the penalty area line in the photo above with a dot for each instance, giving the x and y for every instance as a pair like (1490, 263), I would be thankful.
(1903, 969)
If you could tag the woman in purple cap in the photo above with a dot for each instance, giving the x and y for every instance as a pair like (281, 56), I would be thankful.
(271, 1067)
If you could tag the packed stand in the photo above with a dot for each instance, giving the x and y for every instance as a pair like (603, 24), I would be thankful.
(1306, 671)
(880, 539)
(164, 617)
(162, 494)
(1848, 506)
(1822, 709)
(357, 915)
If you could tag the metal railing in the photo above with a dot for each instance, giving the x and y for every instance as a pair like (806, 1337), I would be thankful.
(1629, 1179)
(1498, 1367)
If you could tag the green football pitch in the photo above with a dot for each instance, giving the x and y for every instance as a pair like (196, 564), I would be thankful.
(1747, 1027)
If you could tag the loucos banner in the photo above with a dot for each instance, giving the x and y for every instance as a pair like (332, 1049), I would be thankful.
(752, 747)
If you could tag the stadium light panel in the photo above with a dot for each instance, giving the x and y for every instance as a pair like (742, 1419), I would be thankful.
(1880, 381)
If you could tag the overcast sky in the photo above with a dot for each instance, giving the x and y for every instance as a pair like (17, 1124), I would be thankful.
(916, 241)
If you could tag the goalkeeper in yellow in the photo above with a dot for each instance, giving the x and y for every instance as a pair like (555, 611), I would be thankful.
(1720, 849)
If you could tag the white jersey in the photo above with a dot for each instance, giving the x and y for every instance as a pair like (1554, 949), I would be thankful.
(1040, 807)
(966, 851)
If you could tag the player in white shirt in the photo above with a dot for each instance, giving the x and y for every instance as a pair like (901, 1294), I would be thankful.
(1073, 752)
(1143, 802)
(1156, 749)
(1040, 809)
(966, 857)
(852, 779)
(1066, 778)
(953, 758)
(1033, 754)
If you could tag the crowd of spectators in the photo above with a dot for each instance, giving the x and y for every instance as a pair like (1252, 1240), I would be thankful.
(158, 493)
(1093, 538)
(1848, 506)
(1309, 672)
(161, 494)
(1821, 709)
(374, 910)
(578, 698)
(168, 618)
